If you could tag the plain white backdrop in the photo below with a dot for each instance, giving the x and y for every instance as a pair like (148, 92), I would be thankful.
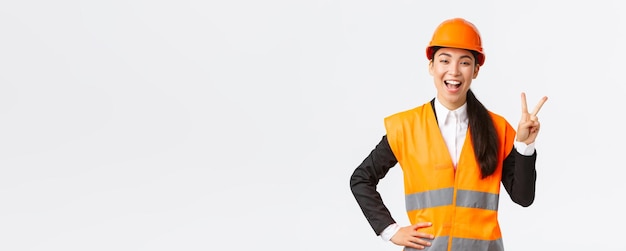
(214, 125)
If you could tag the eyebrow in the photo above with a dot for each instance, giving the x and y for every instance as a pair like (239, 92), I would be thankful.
(446, 54)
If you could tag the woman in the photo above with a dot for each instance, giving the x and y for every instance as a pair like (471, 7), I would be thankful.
(453, 153)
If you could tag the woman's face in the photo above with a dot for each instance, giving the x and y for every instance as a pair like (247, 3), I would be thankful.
(453, 70)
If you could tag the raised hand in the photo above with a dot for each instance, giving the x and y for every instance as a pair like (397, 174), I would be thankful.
(528, 127)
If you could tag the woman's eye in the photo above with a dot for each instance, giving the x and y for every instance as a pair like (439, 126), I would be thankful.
(465, 63)
(443, 61)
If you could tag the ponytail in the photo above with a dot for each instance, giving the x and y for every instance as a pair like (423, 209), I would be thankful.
(483, 135)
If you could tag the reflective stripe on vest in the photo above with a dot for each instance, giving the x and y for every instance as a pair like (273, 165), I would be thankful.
(443, 197)
(461, 204)
(461, 244)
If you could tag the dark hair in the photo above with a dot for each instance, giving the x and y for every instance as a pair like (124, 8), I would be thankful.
(483, 135)
(482, 131)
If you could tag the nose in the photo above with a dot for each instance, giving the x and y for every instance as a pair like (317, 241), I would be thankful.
(454, 70)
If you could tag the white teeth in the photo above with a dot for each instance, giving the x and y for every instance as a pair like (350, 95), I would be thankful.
(452, 82)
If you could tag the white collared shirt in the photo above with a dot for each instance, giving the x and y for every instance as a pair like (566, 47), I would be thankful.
(453, 127)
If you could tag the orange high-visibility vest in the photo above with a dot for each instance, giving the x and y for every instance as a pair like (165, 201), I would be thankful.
(462, 206)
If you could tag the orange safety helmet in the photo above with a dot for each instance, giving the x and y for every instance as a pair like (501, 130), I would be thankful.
(457, 33)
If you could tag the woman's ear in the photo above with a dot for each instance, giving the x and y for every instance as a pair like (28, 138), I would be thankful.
(476, 69)
(430, 67)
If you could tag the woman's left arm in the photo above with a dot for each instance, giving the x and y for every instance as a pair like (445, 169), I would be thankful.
(518, 172)
(519, 177)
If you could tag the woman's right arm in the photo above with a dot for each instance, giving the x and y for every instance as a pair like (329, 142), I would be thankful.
(363, 184)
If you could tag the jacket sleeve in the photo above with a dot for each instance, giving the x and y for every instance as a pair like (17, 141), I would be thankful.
(364, 180)
(519, 177)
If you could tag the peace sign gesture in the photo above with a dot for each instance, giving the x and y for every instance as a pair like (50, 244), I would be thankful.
(528, 127)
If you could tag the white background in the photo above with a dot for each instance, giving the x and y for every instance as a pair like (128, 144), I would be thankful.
(213, 125)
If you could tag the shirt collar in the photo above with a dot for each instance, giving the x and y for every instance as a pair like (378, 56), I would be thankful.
(442, 112)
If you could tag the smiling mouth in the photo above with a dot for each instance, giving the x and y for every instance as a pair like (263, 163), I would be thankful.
(451, 84)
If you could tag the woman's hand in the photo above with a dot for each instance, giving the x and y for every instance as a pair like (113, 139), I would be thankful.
(409, 236)
(528, 127)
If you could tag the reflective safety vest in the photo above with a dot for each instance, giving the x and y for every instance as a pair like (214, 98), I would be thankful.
(462, 206)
